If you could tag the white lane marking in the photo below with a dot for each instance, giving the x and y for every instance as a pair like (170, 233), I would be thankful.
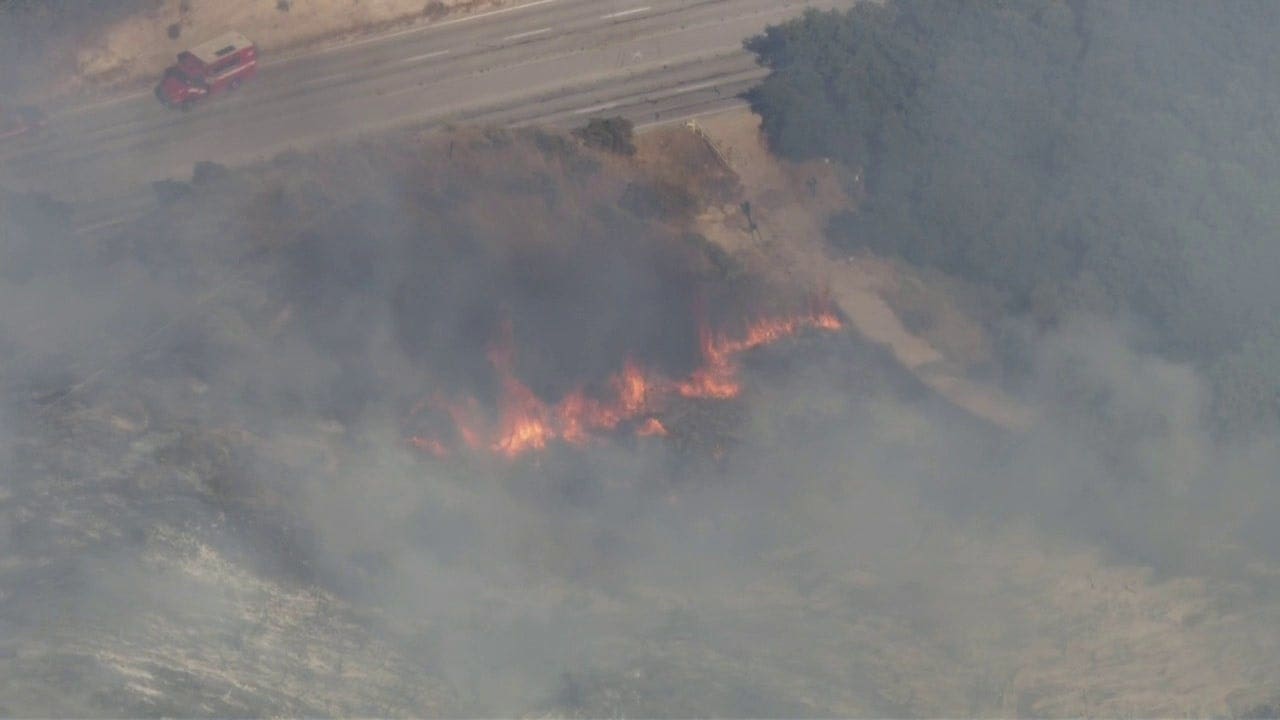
(691, 116)
(681, 90)
(696, 86)
(423, 56)
(529, 33)
(432, 26)
(624, 13)
(597, 108)
(394, 63)
(108, 102)
(325, 79)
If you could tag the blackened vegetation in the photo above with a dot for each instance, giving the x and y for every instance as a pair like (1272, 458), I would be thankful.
(577, 306)
(272, 330)
(438, 258)
(658, 200)
(1084, 156)
(612, 134)
(205, 173)
(168, 191)
(580, 286)
(435, 9)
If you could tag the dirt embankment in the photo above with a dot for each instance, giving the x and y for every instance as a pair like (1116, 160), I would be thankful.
(133, 50)
(776, 224)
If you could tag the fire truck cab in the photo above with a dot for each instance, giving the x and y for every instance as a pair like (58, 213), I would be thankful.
(222, 63)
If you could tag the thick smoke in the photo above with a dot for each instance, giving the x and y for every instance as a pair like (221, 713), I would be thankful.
(209, 507)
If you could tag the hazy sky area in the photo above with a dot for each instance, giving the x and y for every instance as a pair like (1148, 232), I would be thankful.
(211, 501)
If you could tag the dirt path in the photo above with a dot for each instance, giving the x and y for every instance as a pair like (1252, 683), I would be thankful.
(789, 206)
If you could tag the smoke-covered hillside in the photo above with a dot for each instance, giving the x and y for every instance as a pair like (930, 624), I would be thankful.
(477, 423)
(1082, 157)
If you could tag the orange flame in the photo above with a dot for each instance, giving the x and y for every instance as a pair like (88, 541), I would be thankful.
(465, 420)
(522, 417)
(429, 445)
(527, 423)
(524, 425)
(652, 427)
(717, 379)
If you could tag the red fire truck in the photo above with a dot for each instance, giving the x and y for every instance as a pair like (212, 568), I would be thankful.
(207, 69)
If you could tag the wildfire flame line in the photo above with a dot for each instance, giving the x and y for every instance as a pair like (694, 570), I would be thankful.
(527, 423)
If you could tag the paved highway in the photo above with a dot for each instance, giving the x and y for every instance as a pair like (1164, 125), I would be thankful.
(556, 62)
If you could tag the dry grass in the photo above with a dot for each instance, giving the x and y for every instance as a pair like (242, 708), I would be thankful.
(831, 620)
(785, 239)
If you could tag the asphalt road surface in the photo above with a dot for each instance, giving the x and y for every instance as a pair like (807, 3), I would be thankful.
(554, 62)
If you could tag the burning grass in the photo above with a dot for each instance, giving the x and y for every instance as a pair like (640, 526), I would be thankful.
(534, 301)
(633, 399)
(227, 468)
(525, 301)
(525, 335)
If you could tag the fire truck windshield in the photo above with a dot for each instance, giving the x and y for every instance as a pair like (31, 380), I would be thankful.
(176, 72)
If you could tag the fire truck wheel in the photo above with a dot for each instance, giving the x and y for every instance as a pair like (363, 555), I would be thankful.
(235, 84)
(186, 105)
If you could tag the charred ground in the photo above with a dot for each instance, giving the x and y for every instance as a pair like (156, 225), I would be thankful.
(273, 329)
(223, 493)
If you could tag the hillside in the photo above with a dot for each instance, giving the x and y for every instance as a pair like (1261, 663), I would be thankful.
(260, 457)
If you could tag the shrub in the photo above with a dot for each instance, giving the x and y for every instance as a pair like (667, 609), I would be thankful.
(434, 10)
(206, 172)
(612, 134)
(168, 191)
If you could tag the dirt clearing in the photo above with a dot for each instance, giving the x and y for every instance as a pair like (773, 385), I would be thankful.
(776, 224)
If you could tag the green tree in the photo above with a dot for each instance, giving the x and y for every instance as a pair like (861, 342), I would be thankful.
(1055, 149)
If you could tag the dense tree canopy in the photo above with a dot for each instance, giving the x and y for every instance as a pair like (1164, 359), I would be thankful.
(1118, 154)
